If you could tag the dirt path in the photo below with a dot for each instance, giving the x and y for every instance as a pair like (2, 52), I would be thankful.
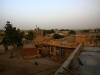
(18, 66)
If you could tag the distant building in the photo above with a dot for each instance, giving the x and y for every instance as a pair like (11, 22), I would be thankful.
(86, 39)
(38, 32)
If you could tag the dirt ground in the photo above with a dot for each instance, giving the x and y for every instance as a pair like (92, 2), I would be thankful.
(19, 66)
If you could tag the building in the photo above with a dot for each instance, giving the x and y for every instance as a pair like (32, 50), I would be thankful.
(86, 39)
(63, 48)
(38, 32)
(59, 49)
(29, 51)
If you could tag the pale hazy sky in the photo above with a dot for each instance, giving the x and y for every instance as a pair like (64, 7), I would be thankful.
(50, 14)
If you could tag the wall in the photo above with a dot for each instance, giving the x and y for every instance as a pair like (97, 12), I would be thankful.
(28, 53)
(70, 59)
(55, 42)
(71, 45)
(81, 38)
(68, 52)
(53, 50)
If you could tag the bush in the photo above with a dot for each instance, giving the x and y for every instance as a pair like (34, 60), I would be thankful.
(72, 32)
(57, 36)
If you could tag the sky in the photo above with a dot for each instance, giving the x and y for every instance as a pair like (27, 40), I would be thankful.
(50, 14)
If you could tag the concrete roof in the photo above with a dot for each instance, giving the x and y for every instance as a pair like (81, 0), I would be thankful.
(90, 57)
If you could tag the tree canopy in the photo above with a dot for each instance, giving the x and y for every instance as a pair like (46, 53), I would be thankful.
(72, 32)
(57, 36)
(86, 31)
(63, 30)
(48, 31)
(12, 36)
(29, 36)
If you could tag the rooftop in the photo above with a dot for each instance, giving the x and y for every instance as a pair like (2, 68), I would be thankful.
(90, 58)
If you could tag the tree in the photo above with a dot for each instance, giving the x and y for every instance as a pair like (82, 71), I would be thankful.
(29, 36)
(57, 36)
(48, 31)
(63, 30)
(12, 36)
(72, 32)
(86, 31)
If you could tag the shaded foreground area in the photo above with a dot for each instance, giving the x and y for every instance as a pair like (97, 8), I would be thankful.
(90, 57)
(19, 66)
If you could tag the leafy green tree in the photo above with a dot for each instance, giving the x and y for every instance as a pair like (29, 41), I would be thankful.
(48, 31)
(57, 36)
(12, 36)
(29, 36)
(72, 32)
(86, 31)
(64, 30)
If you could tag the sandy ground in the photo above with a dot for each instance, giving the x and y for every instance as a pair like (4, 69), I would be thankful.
(19, 66)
